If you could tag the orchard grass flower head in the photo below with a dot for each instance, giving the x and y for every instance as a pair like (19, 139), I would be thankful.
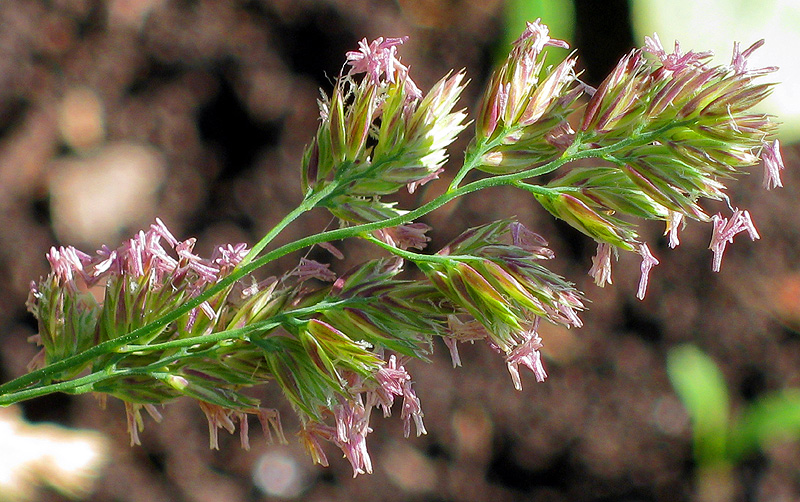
(697, 133)
(153, 320)
(524, 113)
(380, 134)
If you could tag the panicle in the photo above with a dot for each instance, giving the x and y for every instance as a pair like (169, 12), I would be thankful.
(504, 289)
(524, 112)
(670, 130)
(380, 133)
(677, 130)
(329, 361)
(145, 278)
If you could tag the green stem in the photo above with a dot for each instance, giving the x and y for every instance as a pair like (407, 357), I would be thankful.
(309, 202)
(576, 151)
(471, 161)
(75, 386)
(537, 189)
(219, 336)
(418, 257)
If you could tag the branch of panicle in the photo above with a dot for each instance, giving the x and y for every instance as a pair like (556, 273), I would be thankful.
(696, 130)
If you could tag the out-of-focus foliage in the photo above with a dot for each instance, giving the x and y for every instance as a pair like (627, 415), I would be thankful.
(701, 387)
(722, 439)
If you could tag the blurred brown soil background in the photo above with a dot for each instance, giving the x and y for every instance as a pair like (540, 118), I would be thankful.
(113, 113)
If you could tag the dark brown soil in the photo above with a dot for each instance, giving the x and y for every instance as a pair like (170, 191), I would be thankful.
(222, 97)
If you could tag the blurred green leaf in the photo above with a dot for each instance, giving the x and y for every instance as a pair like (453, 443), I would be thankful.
(701, 387)
(774, 417)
